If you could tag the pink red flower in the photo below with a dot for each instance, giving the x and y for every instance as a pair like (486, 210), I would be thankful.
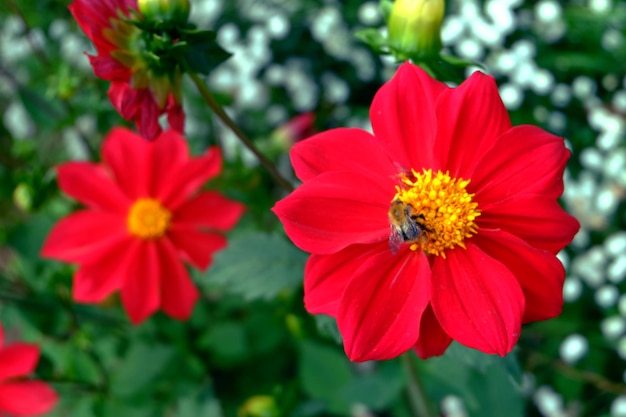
(444, 224)
(137, 92)
(297, 128)
(144, 215)
(20, 396)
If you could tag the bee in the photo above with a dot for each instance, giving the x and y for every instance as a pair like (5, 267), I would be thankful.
(405, 226)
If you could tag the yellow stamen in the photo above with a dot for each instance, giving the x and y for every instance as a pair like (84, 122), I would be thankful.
(443, 208)
(148, 219)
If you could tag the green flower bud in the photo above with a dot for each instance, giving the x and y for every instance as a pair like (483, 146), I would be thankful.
(415, 28)
(173, 11)
(259, 406)
(23, 196)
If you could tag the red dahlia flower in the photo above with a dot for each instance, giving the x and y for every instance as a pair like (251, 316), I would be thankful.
(143, 216)
(20, 396)
(444, 224)
(137, 91)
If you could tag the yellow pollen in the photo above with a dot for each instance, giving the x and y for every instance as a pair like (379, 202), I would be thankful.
(442, 207)
(148, 219)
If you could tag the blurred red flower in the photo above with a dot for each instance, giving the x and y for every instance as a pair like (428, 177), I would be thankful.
(20, 396)
(296, 129)
(137, 92)
(143, 216)
(467, 203)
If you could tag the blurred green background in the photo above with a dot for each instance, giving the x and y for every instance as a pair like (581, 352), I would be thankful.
(250, 349)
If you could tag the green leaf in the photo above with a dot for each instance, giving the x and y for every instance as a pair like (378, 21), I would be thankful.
(227, 340)
(471, 358)
(481, 381)
(199, 51)
(327, 326)
(28, 237)
(69, 360)
(44, 112)
(113, 408)
(324, 372)
(482, 362)
(196, 405)
(379, 389)
(73, 405)
(495, 395)
(385, 7)
(374, 39)
(141, 366)
(257, 266)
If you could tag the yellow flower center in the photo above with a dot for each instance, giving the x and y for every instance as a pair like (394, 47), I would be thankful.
(148, 219)
(442, 208)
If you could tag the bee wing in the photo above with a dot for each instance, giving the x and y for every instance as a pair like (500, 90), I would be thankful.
(395, 239)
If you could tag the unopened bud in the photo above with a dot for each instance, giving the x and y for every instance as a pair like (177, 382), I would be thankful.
(259, 406)
(172, 11)
(415, 28)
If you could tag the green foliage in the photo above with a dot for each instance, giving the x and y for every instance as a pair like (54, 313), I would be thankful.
(480, 380)
(272, 265)
(327, 376)
(200, 51)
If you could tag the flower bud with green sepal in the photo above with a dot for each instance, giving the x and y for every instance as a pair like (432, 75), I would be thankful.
(175, 12)
(414, 34)
(415, 27)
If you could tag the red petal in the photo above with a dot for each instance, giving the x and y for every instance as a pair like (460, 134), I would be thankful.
(93, 186)
(169, 154)
(128, 156)
(477, 300)
(340, 150)
(97, 280)
(18, 359)
(470, 119)
(80, 11)
(178, 294)
(140, 290)
(175, 115)
(147, 115)
(433, 340)
(209, 210)
(526, 160)
(403, 116)
(539, 272)
(27, 398)
(109, 68)
(336, 210)
(197, 248)
(126, 100)
(541, 222)
(379, 314)
(94, 16)
(187, 179)
(326, 276)
(85, 236)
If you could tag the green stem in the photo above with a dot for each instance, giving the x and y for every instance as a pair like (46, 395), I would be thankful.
(417, 396)
(219, 111)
